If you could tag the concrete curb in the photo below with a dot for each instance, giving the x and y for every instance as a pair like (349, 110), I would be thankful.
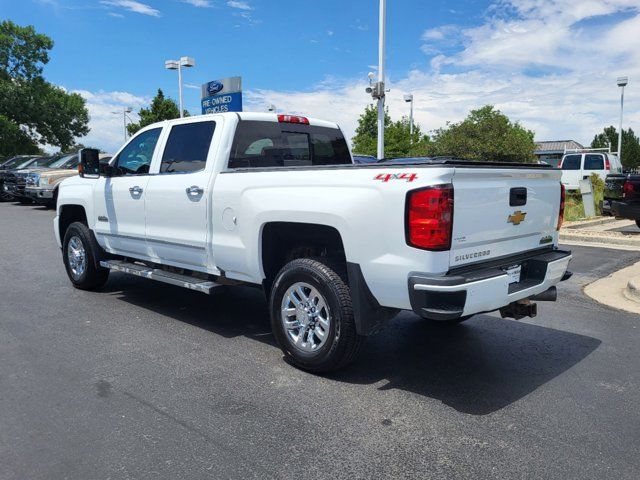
(600, 239)
(612, 291)
(582, 223)
(632, 292)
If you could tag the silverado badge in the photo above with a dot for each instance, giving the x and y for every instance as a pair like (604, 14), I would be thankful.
(517, 218)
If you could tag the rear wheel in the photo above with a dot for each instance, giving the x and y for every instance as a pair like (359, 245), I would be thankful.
(81, 253)
(312, 316)
(638, 223)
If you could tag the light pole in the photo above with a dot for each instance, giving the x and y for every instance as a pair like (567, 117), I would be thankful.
(177, 65)
(409, 99)
(377, 90)
(622, 82)
(124, 119)
(381, 78)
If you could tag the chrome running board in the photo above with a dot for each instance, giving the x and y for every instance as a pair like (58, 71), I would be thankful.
(184, 281)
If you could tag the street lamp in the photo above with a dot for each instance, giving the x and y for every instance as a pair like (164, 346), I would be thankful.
(124, 119)
(622, 82)
(377, 89)
(177, 65)
(272, 108)
(409, 99)
(381, 87)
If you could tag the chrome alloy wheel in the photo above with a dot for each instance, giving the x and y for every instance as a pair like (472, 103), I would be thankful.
(77, 257)
(305, 317)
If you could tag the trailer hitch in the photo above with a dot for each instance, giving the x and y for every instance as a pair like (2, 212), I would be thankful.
(520, 309)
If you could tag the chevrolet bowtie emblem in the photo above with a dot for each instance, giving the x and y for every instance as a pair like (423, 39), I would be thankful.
(517, 218)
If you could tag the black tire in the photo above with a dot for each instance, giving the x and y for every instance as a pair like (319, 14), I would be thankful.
(343, 343)
(91, 277)
(638, 223)
(25, 200)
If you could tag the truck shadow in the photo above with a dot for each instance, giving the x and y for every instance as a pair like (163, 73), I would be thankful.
(477, 367)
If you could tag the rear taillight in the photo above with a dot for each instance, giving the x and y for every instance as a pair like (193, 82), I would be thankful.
(561, 212)
(430, 217)
(293, 119)
(627, 189)
(607, 164)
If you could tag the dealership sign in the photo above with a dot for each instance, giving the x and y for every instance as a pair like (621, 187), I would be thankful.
(225, 95)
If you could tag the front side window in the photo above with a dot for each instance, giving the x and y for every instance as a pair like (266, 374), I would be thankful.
(593, 162)
(571, 162)
(268, 144)
(187, 147)
(135, 158)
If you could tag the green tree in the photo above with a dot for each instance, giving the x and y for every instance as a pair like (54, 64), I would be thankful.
(161, 108)
(397, 137)
(630, 145)
(486, 134)
(32, 111)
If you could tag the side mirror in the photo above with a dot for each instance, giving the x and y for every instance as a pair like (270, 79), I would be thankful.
(89, 166)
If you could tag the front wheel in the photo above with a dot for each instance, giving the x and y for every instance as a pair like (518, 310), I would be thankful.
(81, 254)
(312, 316)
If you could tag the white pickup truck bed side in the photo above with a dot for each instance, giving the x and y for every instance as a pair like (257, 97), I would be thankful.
(233, 223)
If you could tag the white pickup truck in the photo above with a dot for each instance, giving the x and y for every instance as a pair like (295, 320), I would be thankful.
(276, 201)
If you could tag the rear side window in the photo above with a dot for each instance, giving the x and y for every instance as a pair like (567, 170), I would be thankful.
(269, 144)
(571, 162)
(187, 147)
(593, 162)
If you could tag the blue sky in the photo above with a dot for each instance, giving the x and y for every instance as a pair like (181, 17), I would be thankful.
(550, 64)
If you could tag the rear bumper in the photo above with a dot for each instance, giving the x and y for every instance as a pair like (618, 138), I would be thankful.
(485, 287)
(625, 210)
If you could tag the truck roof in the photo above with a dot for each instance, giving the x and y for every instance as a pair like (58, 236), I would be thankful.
(273, 117)
(255, 116)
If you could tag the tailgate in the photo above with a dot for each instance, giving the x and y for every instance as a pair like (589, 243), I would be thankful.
(502, 212)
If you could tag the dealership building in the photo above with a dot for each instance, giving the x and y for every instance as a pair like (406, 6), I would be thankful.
(551, 152)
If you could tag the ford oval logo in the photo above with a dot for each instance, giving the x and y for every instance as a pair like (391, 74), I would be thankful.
(214, 87)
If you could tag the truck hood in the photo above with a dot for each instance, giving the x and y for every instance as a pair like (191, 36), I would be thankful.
(52, 172)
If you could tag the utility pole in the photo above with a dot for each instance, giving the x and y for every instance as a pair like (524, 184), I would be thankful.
(124, 112)
(381, 79)
(622, 82)
(409, 99)
(177, 65)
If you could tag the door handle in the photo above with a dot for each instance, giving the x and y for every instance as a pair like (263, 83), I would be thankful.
(194, 191)
(135, 190)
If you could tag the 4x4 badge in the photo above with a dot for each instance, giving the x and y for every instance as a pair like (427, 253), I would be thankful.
(517, 218)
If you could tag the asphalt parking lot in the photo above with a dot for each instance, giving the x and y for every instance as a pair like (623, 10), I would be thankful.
(144, 380)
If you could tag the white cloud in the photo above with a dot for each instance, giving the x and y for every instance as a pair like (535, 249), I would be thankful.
(551, 65)
(239, 5)
(133, 6)
(199, 3)
(107, 128)
(330, 33)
